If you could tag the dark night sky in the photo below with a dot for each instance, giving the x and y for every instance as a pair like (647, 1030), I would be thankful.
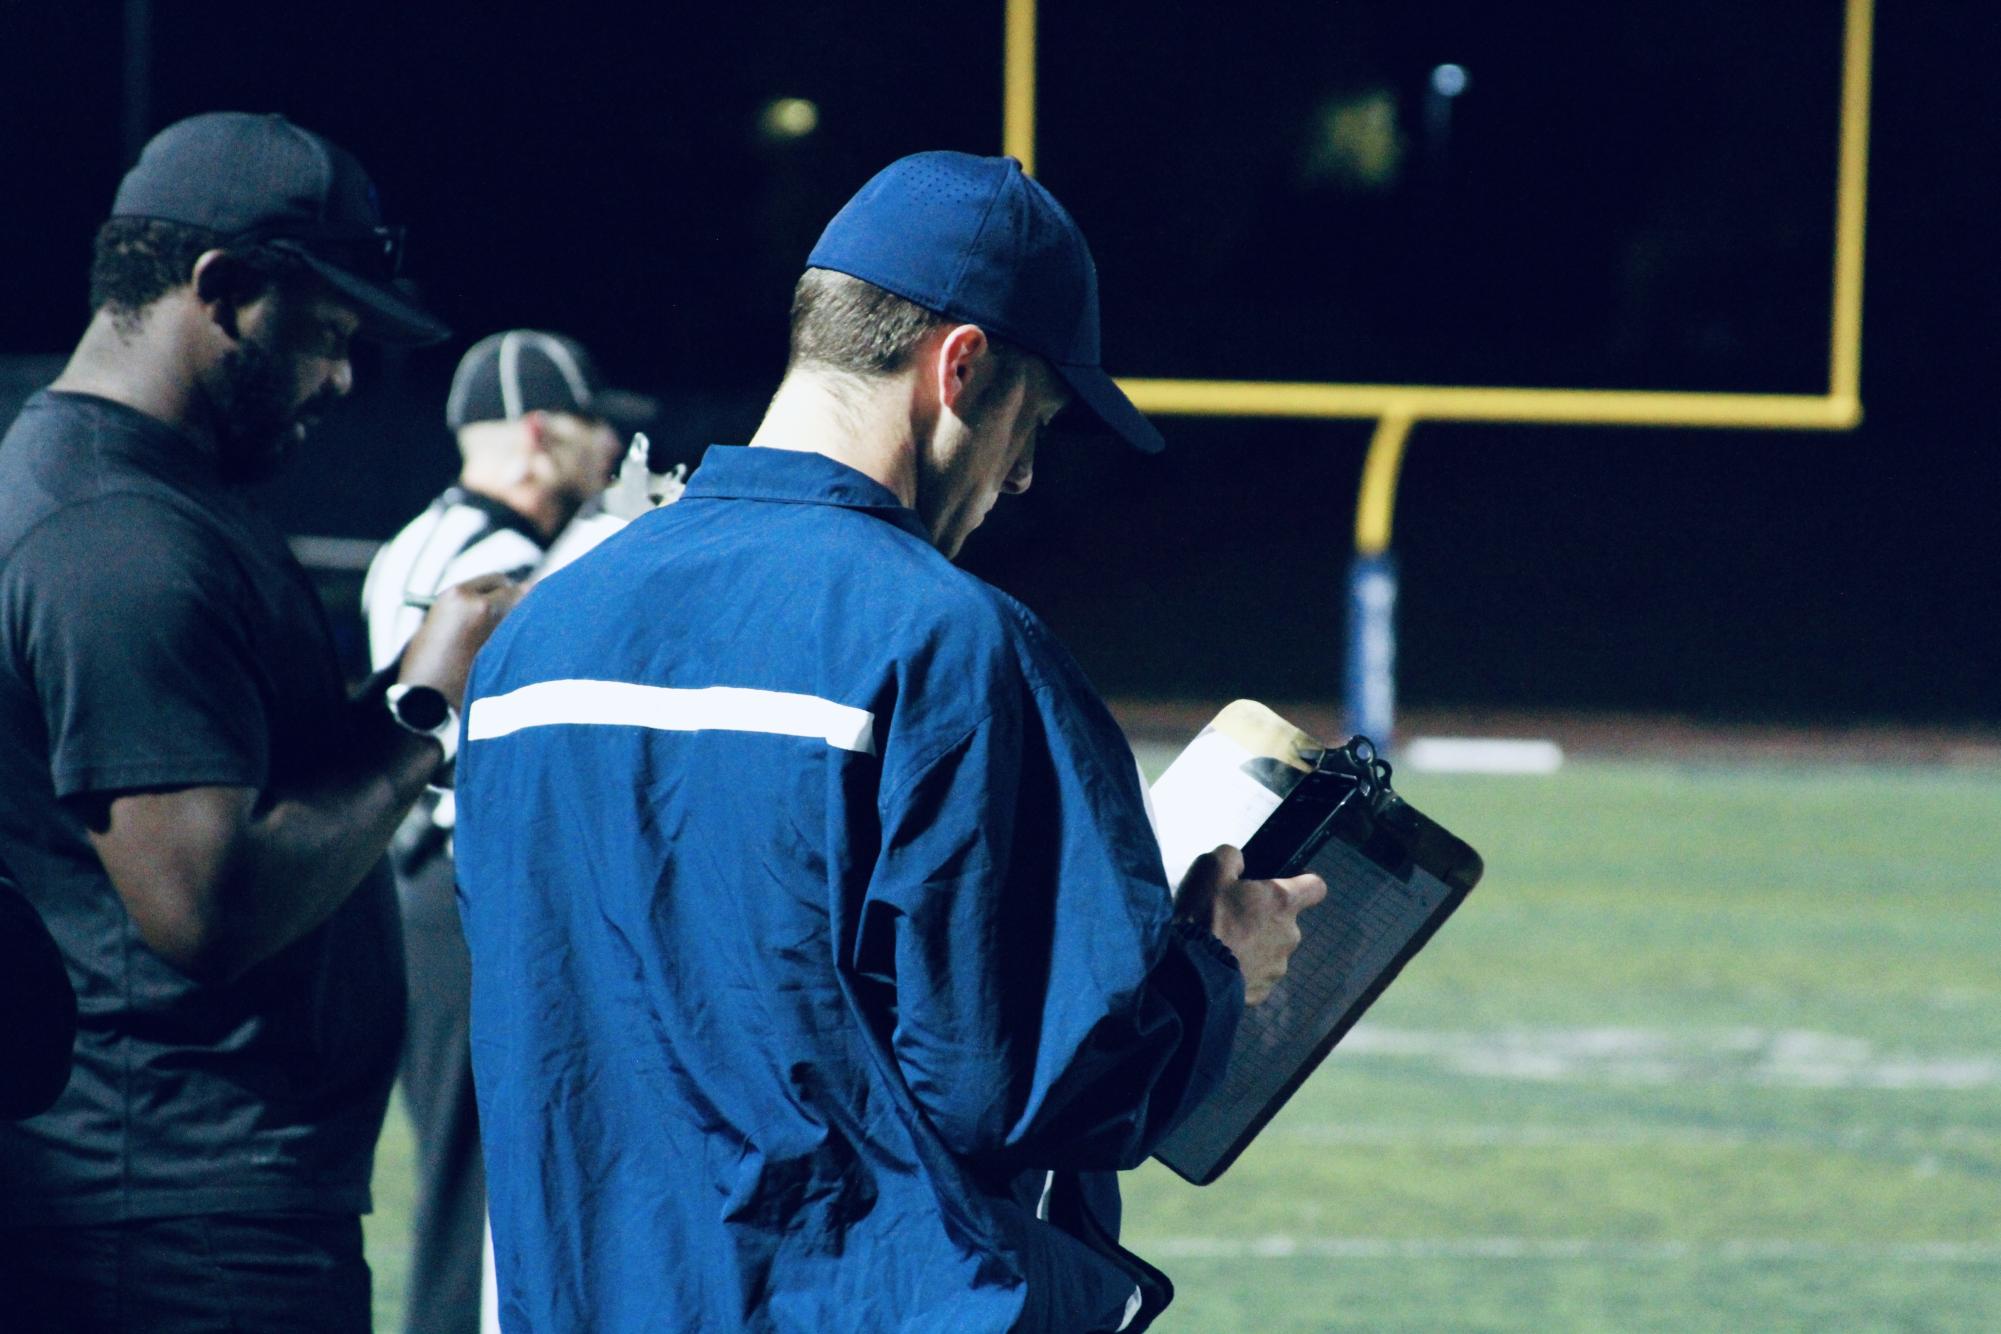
(1629, 196)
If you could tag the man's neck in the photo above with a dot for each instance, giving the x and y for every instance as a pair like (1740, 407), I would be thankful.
(145, 368)
(868, 427)
(541, 511)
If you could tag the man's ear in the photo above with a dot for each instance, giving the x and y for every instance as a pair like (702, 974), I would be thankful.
(955, 364)
(219, 283)
(535, 428)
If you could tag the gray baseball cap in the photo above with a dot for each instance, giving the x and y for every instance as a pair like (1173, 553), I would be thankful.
(259, 179)
(508, 375)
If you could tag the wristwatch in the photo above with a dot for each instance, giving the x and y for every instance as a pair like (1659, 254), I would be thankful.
(425, 711)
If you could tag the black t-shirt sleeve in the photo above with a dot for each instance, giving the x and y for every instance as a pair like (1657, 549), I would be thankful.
(39, 1036)
(138, 650)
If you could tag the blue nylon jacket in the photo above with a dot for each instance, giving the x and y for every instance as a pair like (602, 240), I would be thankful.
(823, 965)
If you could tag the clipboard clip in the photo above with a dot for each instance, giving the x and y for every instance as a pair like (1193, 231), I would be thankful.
(1362, 764)
(1349, 786)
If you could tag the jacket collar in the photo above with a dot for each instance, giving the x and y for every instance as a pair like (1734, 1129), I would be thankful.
(797, 477)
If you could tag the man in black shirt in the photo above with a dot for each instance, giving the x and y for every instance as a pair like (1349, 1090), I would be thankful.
(187, 795)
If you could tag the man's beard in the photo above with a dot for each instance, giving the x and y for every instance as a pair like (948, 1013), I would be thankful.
(250, 395)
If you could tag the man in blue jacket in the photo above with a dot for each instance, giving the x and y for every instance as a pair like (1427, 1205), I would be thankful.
(823, 964)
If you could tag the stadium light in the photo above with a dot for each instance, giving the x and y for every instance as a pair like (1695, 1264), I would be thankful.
(788, 118)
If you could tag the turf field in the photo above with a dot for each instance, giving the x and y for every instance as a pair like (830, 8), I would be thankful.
(1709, 1048)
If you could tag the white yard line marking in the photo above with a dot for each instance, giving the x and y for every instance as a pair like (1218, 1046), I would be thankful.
(1282, 1246)
(1479, 755)
(1503, 1136)
(1785, 1058)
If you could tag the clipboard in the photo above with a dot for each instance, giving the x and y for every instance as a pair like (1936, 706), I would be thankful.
(1393, 877)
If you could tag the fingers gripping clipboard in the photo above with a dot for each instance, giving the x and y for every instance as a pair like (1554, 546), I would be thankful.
(1393, 877)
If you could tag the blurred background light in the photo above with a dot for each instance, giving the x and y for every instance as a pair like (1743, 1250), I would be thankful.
(1357, 142)
(1448, 80)
(786, 118)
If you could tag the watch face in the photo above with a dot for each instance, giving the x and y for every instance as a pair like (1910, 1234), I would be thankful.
(423, 708)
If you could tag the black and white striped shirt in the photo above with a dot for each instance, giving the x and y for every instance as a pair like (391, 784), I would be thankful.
(461, 536)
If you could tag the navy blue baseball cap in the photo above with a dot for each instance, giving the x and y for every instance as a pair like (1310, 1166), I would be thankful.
(263, 180)
(976, 240)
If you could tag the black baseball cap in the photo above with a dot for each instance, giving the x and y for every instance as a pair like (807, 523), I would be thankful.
(976, 239)
(507, 375)
(259, 179)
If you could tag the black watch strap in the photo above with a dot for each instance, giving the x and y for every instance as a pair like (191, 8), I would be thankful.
(425, 711)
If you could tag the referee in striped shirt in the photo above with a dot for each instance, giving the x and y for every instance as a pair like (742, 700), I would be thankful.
(534, 428)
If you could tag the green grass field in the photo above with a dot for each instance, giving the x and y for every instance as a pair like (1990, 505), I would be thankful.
(1709, 1049)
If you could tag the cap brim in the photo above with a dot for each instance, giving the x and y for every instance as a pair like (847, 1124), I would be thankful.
(625, 409)
(388, 314)
(1097, 392)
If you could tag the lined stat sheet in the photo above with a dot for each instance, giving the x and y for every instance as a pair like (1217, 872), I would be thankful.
(1347, 943)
